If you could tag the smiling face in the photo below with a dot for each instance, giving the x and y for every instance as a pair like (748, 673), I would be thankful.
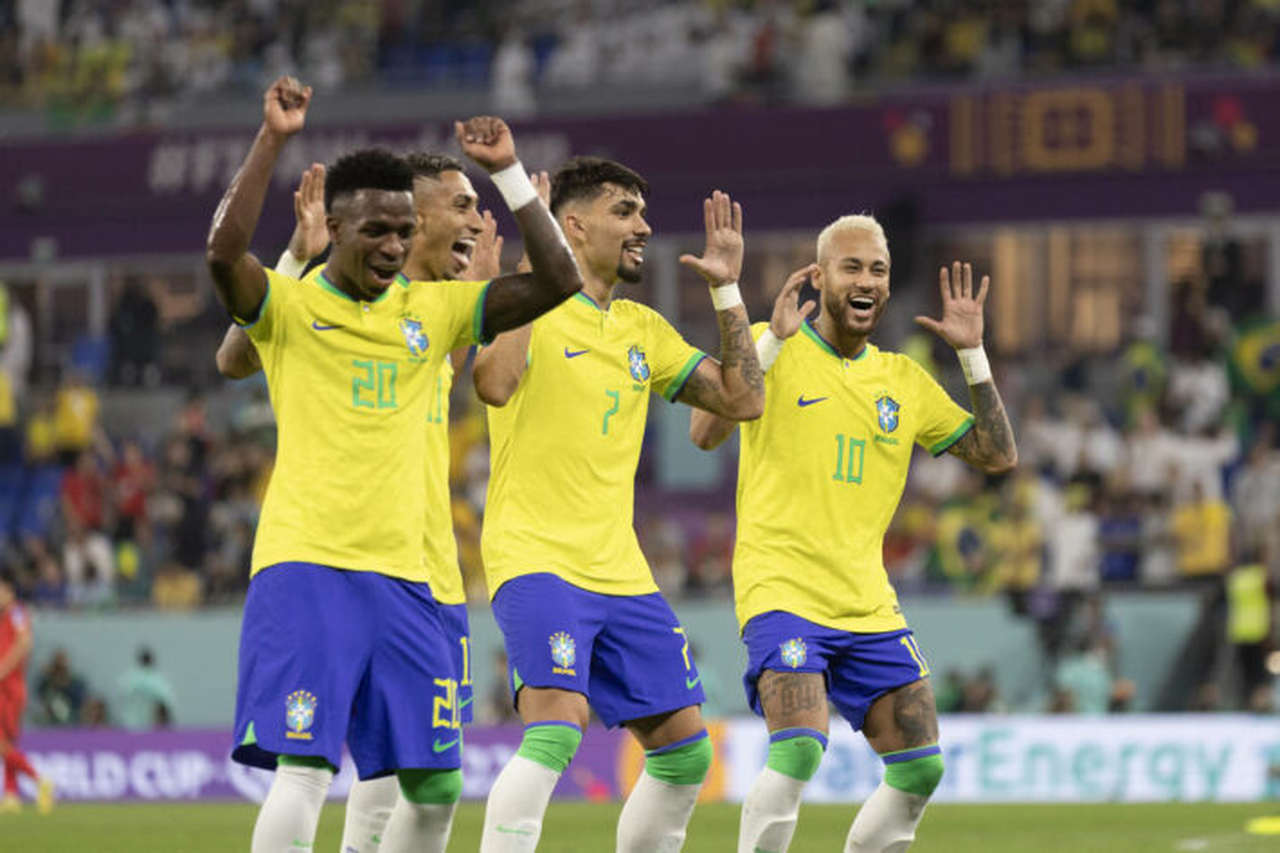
(371, 232)
(609, 233)
(853, 278)
(448, 224)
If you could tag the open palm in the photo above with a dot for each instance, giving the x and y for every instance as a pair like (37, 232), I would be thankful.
(961, 323)
(721, 260)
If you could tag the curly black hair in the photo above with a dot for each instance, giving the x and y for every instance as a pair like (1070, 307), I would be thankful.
(585, 177)
(366, 169)
(428, 165)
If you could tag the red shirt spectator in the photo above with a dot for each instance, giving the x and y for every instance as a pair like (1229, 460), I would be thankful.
(83, 494)
(132, 479)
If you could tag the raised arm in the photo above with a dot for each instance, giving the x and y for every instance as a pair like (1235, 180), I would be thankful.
(989, 446)
(238, 277)
(732, 387)
(237, 357)
(500, 365)
(513, 300)
(709, 431)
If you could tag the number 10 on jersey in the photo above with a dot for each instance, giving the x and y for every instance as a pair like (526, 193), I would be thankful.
(849, 456)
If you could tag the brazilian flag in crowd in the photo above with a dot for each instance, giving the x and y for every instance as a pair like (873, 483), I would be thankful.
(1255, 364)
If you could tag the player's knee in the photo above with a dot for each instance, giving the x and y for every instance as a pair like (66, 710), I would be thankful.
(551, 744)
(685, 762)
(796, 752)
(919, 774)
(430, 787)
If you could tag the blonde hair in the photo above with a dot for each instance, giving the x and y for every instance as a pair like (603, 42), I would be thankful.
(852, 222)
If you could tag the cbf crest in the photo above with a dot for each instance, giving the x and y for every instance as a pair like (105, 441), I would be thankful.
(564, 651)
(415, 337)
(887, 412)
(299, 714)
(794, 653)
(638, 364)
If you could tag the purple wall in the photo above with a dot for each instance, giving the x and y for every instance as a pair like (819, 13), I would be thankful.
(1095, 148)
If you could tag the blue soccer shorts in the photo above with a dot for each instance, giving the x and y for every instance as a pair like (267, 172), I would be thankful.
(459, 631)
(628, 654)
(858, 668)
(329, 656)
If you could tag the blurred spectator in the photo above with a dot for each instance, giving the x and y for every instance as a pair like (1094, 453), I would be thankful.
(1120, 536)
(146, 697)
(1202, 530)
(75, 417)
(1221, 258)
(513, 66)
(16, 349)
(711, 556)
(1255, 492)
(135, 337)
(1250, 601)
(60, 691)
(1084, 676)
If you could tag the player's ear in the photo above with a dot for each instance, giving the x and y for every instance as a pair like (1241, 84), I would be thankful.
(575, 230)
(334, 226)
(815, 278)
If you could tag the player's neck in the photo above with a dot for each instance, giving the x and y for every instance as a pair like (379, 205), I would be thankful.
(848, 344)
(597, 290)
(422, 272)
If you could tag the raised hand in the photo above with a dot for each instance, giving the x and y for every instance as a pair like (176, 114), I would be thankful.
(721, 261)
(487, 141)
(787, 313)
(961, 324)
(486, 259)
(310, 234)
(284, 106)
(542, 184)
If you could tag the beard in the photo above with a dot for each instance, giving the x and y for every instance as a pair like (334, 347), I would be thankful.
(629, 274)
(838, 309)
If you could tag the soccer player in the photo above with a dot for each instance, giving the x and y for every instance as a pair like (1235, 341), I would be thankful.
(454, 241)
(819, 478)
(15, 646)
(341, 639)
(581, 615)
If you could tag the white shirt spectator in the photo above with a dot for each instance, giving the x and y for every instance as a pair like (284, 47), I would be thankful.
(1198, 390)
(513, 66)
(1073, 552)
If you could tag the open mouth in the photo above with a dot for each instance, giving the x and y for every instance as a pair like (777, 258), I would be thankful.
(863, 306)
(463, 250)
(634, 252)
(383, 274)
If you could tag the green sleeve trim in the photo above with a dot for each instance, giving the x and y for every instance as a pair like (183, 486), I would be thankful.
(675, 386)
(477, 317)
(257, 315)
(942, 446)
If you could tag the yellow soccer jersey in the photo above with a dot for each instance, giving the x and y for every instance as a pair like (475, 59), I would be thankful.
(819, 478)
(352, 384)
(440, 546)
(563, 450)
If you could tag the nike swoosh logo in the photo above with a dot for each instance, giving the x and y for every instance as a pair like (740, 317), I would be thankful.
(802, 402)
(321, 327)
(691, 683)
(437, 746)
(568, 353)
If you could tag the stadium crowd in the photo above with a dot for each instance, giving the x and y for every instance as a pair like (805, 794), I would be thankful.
(95, 56)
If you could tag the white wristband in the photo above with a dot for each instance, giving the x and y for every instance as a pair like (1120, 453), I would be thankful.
(514, 184)
(767, 349)
(290, 266)
(973, 362)
(726, 296)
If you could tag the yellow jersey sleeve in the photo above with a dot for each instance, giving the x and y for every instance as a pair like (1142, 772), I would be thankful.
(942, 421)
(672, 359)
(265, 327)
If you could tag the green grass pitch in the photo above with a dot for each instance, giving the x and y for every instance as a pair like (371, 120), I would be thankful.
(587, 828)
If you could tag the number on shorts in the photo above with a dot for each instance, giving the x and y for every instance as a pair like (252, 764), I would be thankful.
(912, 649)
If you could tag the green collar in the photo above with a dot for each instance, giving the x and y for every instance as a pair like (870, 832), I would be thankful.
(587, 300)
(817, 339)
(328, 285)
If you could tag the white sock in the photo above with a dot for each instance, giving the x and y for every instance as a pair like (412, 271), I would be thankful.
(288, 817)
(887, 822)
(517, 802)
(418, 827)
(368, 808)
(769, 812)
(655, 816)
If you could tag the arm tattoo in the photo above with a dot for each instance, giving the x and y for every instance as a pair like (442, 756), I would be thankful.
(700, 391)
(737, 350)
(914, 715)
(989, 445)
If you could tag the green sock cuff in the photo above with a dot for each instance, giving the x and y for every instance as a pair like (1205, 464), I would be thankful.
(551, 744)
(797, 757)
(430, 787)
(316, 761)
(917, 776)
(683, 764)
